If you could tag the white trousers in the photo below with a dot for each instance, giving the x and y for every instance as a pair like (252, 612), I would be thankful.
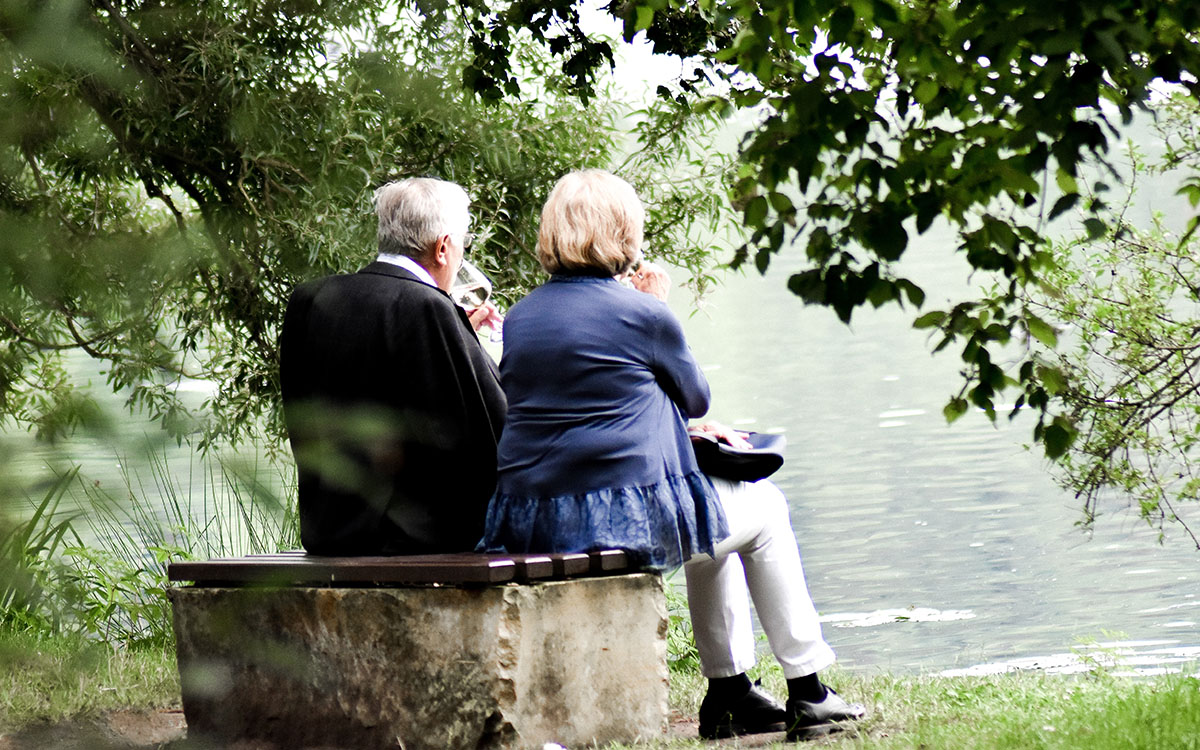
(758, 561)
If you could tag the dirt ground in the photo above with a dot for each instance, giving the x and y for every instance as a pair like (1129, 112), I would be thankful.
(117, 730)
(167, 730)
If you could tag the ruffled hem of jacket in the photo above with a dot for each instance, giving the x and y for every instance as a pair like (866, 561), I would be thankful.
(660, 525)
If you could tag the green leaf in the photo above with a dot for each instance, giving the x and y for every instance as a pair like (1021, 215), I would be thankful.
(1057, 438)
(926, 91)
(1066, 183)
(1191, 189)
(881, 292)
(645, 17)
(756, 211)
(884, 12)
(915, 294)
(885, 234)
(1052, 379)
(1095, 228)
(1041, 330)
(932, 319)
(928, 209)
(762, 260)
(840, 23)
(820, 245)
(808, 286)
(1063, 204)
(955, 409)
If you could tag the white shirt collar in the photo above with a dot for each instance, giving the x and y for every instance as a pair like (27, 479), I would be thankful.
(408, 264)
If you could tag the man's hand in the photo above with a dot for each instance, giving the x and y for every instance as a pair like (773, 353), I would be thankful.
(485, 315)
(721, 432)
(652, 280)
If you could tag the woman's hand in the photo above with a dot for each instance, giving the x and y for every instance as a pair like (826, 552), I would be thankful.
(724, 434)
(652, 280)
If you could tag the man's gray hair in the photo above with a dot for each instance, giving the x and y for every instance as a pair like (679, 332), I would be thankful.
(414, 212)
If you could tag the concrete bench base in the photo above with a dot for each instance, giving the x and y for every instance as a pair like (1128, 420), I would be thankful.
(576, 662)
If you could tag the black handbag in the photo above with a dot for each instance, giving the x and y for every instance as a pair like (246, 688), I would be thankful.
(719, 459)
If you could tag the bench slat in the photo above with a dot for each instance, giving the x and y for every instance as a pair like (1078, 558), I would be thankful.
(564, 564)
(609, 561)
(295, 568)
(532, 567)
(335, 570)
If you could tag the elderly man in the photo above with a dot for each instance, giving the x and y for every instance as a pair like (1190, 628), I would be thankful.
(392, 406)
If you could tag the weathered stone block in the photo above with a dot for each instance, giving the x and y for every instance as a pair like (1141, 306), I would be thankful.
(575, 662)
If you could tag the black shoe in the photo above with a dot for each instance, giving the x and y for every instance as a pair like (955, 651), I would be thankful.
(808, 719)
(753, 713)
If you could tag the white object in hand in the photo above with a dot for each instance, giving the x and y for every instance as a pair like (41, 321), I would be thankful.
(470, 290)
(471, 287)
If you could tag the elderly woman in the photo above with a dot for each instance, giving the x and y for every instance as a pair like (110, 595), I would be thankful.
(595, 454)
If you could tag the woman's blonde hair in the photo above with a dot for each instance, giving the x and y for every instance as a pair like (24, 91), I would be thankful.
(592, 221)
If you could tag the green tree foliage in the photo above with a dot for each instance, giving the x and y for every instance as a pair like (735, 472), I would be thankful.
(879, 118)
(169, 169)
(1129, 304)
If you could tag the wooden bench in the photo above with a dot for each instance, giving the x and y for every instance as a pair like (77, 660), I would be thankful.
(290, 650)
(295, 568)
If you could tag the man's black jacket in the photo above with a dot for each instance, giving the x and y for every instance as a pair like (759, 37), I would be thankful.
(393, 410)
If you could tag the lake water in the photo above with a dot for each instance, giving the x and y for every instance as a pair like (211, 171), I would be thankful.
(930, 546)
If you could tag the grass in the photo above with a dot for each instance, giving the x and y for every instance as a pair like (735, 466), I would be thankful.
(1031, 711)
(1020, 711)
(51, 679)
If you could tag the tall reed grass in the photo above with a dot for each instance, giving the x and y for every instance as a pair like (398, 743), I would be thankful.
(91, 560)
(27, 596)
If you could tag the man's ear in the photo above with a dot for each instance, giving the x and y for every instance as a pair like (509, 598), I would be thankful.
(441, 251)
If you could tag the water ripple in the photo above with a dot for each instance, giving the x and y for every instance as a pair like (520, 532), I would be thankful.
(885, 616)
(1120, 658)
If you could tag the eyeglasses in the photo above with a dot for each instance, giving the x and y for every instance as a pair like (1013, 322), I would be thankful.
(468, 239)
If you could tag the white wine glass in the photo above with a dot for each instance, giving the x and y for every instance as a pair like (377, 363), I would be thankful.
(470, 290)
